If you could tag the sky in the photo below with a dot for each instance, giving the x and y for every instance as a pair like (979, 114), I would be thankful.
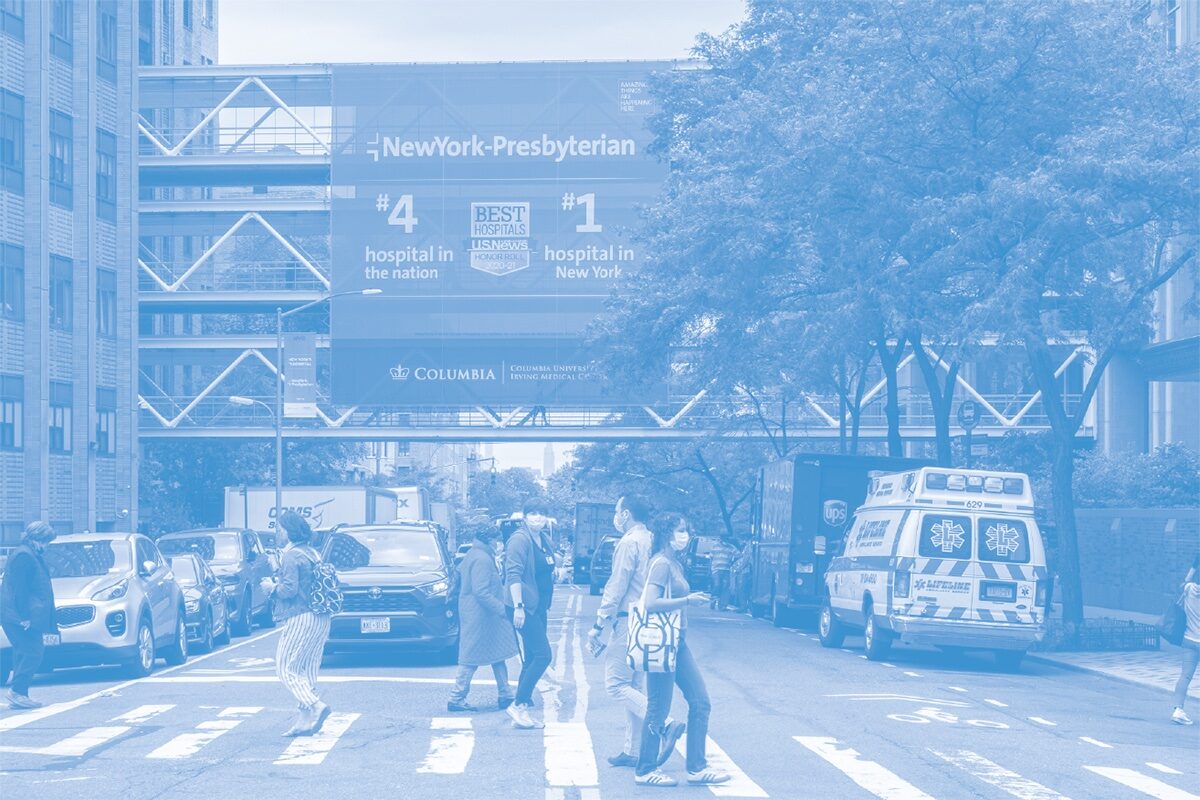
(320, 31)
(330, 31)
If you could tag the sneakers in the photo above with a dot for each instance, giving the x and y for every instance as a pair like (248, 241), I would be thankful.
(20, 700)
(670, 737)
(463, 707)
(655, 778)
(623, 760)
(521, 718)
(1180, 718)
(707, 777)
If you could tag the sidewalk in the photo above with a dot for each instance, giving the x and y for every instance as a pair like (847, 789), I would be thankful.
(1155, 669)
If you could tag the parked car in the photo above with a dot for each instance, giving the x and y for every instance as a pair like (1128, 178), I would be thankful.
(601, 567)
(204, 600)
(116, 601)
(396, 580)
(240, 563)
(699, 562)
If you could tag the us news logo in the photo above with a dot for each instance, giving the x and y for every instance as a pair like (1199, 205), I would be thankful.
(399, 372)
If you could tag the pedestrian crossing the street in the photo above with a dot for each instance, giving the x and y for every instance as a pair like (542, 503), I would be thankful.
(454, 743)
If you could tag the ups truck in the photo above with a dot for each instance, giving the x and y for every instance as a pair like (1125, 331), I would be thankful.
(593, 521)
(802, 508)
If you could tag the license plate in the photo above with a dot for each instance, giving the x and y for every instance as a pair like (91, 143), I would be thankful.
(383, 625)
(1000, 592)
(804, 568)
(51, 639)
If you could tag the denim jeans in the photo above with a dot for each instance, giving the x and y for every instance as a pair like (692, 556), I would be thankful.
(535, 654)
(659, 688)
(462, 682)
(1191, 657)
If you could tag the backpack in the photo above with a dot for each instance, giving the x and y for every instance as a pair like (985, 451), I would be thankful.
(324, 593)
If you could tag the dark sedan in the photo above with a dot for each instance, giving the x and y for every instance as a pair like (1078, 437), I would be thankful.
(397, 581)
(240, 563)
(204, 599)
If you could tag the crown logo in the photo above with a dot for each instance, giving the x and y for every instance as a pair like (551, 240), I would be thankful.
(399, 373)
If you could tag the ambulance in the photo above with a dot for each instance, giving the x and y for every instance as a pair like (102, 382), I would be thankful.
(945, 557)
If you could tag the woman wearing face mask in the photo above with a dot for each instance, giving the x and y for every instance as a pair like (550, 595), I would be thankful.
(667, 589)
(529, 575)
(486, 636)
(27, 610)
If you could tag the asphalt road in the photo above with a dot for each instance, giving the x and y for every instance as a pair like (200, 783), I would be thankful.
(790, 720)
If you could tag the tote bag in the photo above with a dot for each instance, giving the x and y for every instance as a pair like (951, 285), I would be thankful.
(653, 636)
(1174, 622)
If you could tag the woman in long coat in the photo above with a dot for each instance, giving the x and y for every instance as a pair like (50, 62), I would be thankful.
(485, 634)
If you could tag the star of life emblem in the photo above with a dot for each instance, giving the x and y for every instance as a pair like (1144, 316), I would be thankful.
(947, 535)
(1002, 539)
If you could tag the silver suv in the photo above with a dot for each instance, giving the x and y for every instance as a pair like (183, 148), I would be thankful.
(116, 603)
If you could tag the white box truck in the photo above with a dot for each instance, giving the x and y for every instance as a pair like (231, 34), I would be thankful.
(412, 503)
(253, 507)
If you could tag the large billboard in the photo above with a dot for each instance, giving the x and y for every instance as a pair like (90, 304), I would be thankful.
(493, 204)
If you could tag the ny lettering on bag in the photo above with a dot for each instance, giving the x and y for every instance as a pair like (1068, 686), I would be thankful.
(653, 636)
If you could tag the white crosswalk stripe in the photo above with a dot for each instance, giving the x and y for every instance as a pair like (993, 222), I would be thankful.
(451, 747)
(998, 776)
(311, 750)
(876, 779)
(188, 744)
(739, 784)
(1135, 780)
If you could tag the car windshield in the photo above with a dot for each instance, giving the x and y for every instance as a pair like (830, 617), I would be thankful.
(87, 559)
(185, 571)
(391, 548)
(213, 547)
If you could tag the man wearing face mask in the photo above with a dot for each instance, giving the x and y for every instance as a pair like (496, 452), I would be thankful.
(631, 562)
(529, 576)
(27, 610)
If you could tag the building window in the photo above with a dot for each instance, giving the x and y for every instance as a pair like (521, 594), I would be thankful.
(12, 282)
(62, 161)
(106, 175)
(12, 141)
(145, 32)
(61, 286)
(168, 24)
(12, 412)
(12, 18)
(106, 303)
(210, 15)
(106, 422)
(60, 417)
(61, 12)
(187, 14)
(106, 41)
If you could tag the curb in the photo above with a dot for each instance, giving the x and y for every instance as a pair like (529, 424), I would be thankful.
(1192, 693)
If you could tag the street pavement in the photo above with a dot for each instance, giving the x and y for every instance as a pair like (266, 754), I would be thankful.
(790, 720)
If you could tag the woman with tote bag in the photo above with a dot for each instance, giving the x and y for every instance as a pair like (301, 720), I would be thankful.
(667, 591)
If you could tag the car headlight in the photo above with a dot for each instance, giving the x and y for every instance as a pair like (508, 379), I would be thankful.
(440, 587)
(192, 606)
(114, 592)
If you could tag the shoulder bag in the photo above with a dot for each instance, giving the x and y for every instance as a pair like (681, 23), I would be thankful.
(324, 593)
(1173, 623)
(653, 636)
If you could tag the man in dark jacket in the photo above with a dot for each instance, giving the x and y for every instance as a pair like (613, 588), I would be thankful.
(27, 610)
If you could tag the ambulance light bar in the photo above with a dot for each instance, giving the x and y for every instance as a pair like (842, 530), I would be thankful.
(940, 481)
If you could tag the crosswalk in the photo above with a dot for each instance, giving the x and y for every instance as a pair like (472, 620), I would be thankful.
(454, 745)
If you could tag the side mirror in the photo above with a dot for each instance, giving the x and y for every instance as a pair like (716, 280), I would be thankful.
(148, 567)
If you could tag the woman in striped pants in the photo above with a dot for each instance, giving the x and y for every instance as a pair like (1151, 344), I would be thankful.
(298, 656)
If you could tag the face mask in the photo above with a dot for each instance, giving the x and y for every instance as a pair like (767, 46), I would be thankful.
(535, 521)
(680, 539)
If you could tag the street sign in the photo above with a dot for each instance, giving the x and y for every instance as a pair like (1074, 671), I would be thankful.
(300, 375)
(968, 414)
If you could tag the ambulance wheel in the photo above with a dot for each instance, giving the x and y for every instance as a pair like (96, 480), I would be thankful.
(1010, 660)
(877, 641)
(830, 630)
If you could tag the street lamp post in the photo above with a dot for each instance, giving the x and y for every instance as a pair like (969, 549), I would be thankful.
(279, 378)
